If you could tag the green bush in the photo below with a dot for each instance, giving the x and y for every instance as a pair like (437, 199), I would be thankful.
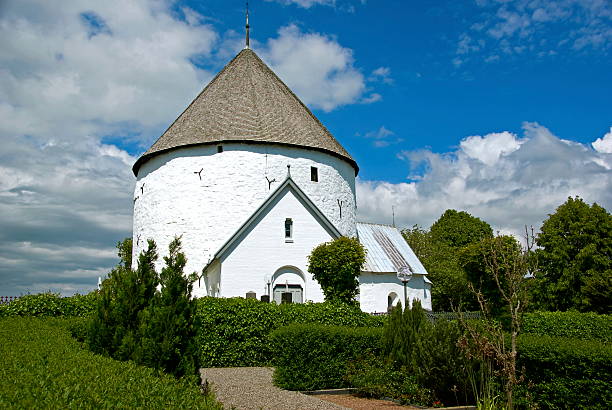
(428, 351)
(311, 357)
(376, 378)
(566, 373)
(234, 332)
(585, 326)
(43, 367)
(52, 304)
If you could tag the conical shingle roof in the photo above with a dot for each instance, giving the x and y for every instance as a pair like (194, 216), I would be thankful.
(247, 102)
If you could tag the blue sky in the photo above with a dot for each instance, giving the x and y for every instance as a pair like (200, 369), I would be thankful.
(497, 107)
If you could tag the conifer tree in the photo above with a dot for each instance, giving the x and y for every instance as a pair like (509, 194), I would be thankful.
(166, 331)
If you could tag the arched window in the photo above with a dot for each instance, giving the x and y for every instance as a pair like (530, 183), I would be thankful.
(392, 301)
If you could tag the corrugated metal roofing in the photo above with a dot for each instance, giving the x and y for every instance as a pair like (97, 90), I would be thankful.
(247, 102)
(387, 250)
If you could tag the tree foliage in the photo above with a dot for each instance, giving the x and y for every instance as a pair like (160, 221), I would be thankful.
(136, 321)
(458, 229)
(575, 258)
(476, 258)
(336, 265)
(438, 250)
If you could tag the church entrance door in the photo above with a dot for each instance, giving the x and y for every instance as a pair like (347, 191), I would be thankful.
(288, 293)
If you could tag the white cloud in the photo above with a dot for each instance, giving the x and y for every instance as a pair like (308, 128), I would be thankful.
(306, 3)
(506, 180)
(318, 69)
(70, 77)
(60, 68)
(489, 148)
(604, 144)
(381, 74)
(382, 137)
(540, 26)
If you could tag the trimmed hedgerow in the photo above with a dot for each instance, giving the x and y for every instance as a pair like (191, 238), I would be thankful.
(566, 373)
(234, 332)
(311, 357)
(43, 367)
(585, 326)
(52, 304)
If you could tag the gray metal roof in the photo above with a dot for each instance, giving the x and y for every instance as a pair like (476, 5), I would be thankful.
(246, 102)
(387, 250)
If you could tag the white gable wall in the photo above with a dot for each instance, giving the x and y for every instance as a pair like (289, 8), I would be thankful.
(263, 250)
(374, 289)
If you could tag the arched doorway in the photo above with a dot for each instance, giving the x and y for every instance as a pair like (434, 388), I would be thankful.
(288, 285)
(392, 300)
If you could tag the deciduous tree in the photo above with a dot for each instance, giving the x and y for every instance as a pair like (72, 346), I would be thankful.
(336, 265)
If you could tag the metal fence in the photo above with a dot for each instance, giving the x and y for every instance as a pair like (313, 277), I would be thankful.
(442, 315)
(5, 300)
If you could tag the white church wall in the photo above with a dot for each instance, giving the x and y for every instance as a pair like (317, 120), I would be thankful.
(171, 197)
(263, 251)
(374, 289)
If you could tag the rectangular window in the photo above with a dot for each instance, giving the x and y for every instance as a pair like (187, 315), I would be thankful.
(219, 148)
(314, 174)
(288, 228)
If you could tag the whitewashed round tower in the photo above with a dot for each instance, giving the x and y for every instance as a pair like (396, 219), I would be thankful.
(251, 181)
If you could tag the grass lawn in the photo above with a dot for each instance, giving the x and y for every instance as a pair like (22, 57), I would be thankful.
(44, 367)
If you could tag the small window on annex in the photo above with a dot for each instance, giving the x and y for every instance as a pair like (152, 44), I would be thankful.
(288, 228)
(219, 148)
(314, 174)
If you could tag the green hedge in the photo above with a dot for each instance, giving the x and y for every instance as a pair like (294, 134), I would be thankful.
(586, 326)
(311, 357)
(234, 332)
(566, 373)
(51, 304)
(43, 367)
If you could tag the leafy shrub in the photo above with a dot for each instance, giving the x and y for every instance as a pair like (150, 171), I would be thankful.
(376, 378)
(428, 351)
(311, 357)
(586, 326)
(336, 265)
(43, 367)
(566, 373)
(234, 332)
(52, 304)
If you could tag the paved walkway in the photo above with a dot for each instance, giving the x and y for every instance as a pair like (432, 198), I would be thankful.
(251, 388)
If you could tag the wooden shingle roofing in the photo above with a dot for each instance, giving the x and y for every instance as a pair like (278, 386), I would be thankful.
(247, 102)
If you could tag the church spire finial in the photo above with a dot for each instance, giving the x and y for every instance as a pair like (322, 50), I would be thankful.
(247, 25)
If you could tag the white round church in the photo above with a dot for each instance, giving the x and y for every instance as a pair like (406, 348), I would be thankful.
(252, 182)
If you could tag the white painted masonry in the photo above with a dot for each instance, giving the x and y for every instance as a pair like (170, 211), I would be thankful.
(263, 251)
(375, 288)
(173, 198)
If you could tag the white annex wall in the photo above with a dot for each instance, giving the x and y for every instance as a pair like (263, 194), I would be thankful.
(264, 251)
(374, 289)
(171, 197)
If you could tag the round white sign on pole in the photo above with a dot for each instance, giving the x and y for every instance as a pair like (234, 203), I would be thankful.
(404, 274)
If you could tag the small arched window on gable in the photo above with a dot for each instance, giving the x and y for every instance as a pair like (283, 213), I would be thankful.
(288, 230)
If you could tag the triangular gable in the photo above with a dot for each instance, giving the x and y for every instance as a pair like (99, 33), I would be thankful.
(288, 184)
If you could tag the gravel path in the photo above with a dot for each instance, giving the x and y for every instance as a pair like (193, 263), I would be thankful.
(251, 388)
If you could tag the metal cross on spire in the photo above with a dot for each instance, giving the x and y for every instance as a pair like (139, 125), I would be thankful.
(247, 25)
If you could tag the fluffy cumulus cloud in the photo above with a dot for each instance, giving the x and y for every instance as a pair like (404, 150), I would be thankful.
(604, 144)
(330, 82)
(72, 77)
(506, 180)
(540, 27)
